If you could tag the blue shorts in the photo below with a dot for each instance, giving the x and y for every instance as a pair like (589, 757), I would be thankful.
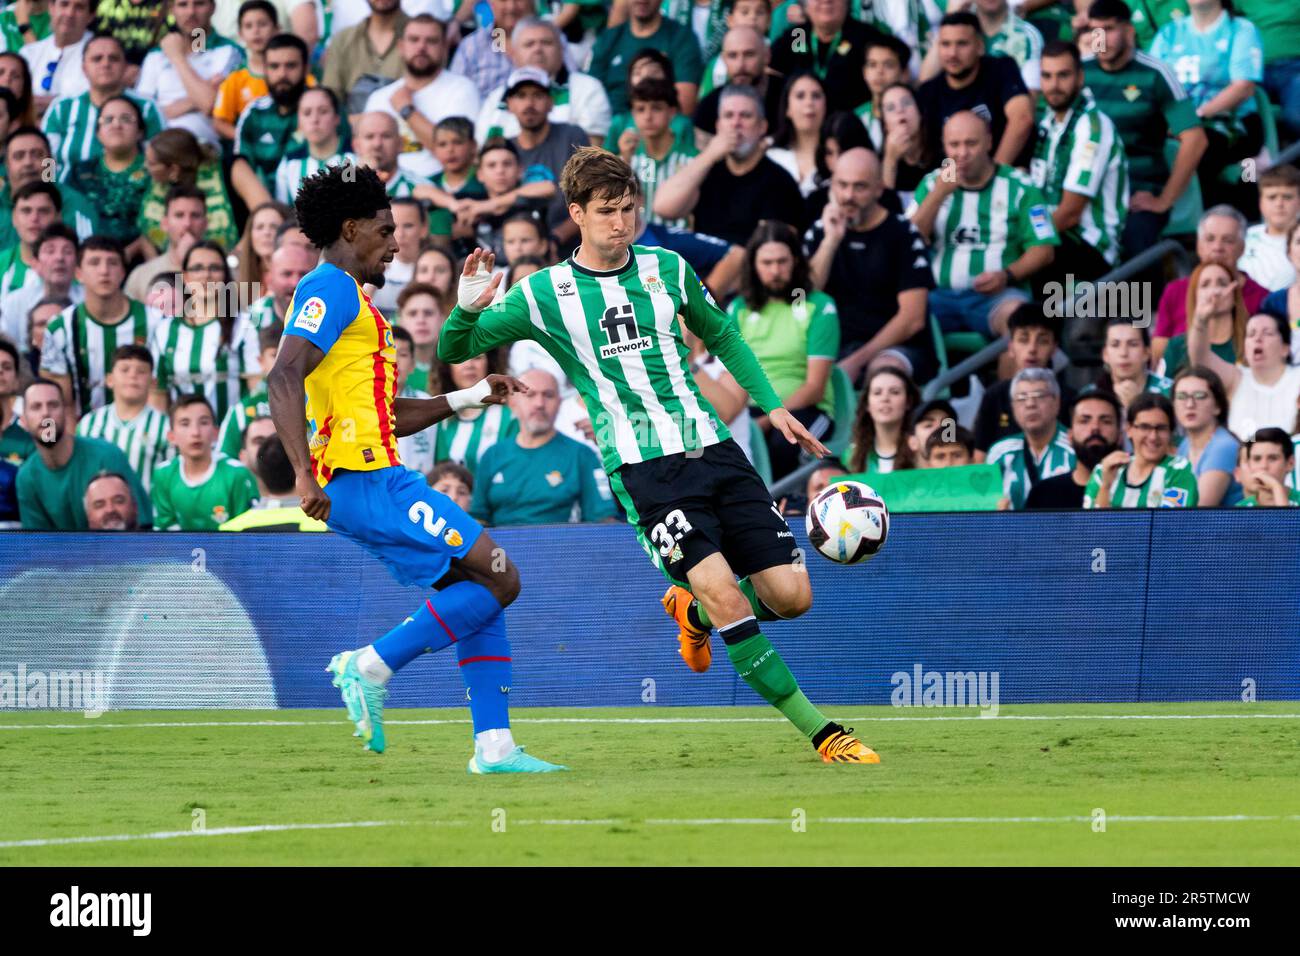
(965, 310)
(397, 517)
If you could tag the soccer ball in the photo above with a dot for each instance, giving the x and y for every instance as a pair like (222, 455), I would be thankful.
(847, 522)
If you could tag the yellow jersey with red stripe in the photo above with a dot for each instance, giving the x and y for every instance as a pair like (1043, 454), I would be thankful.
(350, 394)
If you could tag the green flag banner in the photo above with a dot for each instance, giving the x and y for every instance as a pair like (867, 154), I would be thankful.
(961, 488)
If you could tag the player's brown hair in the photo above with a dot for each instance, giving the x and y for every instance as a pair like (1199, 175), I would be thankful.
(595, 173)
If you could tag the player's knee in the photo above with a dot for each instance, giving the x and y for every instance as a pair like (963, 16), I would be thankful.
(724, 605)
(791, 600)
(505, 584)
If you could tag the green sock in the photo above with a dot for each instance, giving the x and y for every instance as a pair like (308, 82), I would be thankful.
(762, 668)
(700, 618)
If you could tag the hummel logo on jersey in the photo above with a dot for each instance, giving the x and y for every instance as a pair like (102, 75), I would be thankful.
(619, 323)
(564, 288)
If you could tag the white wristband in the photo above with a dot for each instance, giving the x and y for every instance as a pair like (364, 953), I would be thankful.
(471, 287)
(471, 397)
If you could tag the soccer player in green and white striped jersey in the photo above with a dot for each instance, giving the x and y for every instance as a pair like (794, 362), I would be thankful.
(71, 122)
(130, 422)
(1042, 449)
(1080, 166)
(318, 124)
(198, 490)
(1150, 477)
(609, 316)
(80, 341)
(650, 147)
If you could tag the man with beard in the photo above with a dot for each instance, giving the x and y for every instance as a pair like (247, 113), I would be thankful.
(426, 94)
(267, 130)
(109, 504)
(745, 56)
(1042, 447)
(875, 266)
(732, 184)
(541, 142)
(1094, 434)
(52, 482)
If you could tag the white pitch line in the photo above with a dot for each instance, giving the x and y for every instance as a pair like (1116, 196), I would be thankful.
(93, 723)
(703, 821)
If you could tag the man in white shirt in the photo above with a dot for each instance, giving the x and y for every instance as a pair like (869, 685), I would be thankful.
(579, 98)
(426, 93)
(184, 73)
(55, 62)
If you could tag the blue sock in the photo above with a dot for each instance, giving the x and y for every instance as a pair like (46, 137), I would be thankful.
(485, 669)
(450, 615)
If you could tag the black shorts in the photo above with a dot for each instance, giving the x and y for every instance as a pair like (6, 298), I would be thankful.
(687, 507)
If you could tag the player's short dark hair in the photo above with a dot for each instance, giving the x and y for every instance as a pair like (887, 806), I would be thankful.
(412, 289)
(39, 187)
(650, 53)
(1101, 395)
(59, 230)
(457, 471)
(188, 399)
(273, 466)
(1271, 436)
(1110, 10)
(963, 18)
(289, 41)
(102, 244)
(1061, 48)
(184, 191)
(401, 334)
(891, 43)
(412, 202)
(1031, 316)
(131, 352)
(460, 126)
(334, 195)
(960, 436)
(654, 90)
(595, 173)
(248, 6)
(12, 351)
(269, 335)
(1146, 402)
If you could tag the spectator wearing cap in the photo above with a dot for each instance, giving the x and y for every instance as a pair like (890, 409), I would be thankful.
(833, 45)
(746, 58)
(885, 64)
(1201, 411)
(52, 482)
(365, 56)
(1041, 449)
(1149, 477)
(1148, 105)
(110, 505)
(540, 142)
(971, 81)
(646, 26)
(426, 94)
(732, 184)
(1266, 461)
(577, 98)
(989, 228)
(1220, 239)
(948, 448)
(1033, 338)
(875, 266)
(279, 509)
(1094, 433)
(56, 61)
(926, 420)
(56, 265)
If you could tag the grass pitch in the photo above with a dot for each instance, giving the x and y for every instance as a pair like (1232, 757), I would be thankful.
(658, 786)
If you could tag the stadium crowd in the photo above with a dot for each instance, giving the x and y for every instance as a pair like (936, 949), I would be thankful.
(867, 189)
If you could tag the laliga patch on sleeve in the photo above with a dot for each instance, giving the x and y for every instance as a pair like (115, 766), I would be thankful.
(1174, 498)
(708, 296)
(310, 315)
(1040, 221)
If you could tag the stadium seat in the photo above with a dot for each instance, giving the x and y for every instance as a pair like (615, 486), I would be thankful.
(1232, 173)
(758, 453)
(1186, 213)
(846, 400)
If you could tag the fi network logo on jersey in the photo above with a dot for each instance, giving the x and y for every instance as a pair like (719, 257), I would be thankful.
(619, 323)
(75, 908)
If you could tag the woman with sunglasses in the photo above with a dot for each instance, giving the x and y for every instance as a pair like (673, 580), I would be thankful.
(210, 347)
(1201, 407)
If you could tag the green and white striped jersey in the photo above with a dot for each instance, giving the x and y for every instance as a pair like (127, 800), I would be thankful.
(191, 358)
(78, 345)
(1083, 154)
(71, 123)
(1015, 457)
(262, 313)
(416, 450)
(14, 273)
(615, 335)
(875, 126)
(402, 184)
(143, 439)
(650, 172)
(1021, 41)
(465, 440)
(230, 436)
(987, 229)
(291, 172)
(1171, 484)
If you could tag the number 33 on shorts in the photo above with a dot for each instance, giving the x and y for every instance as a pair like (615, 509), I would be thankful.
(669, 531)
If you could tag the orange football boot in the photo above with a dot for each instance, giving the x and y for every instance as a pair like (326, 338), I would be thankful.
(694, 642)
(842, 747)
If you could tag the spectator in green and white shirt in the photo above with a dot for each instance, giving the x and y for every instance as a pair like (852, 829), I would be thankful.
(230, 437)
(289, 263)
(35, 207)
(56, 266)
(198, 489)
(1042, 449)
(1126, 357)
(650, 146)
(1150, 477)
(1265, 462)
(419, 312)
(130, 422)
(465, 436)
(1005, 34)
(1079, 165)
(26, 162)
(318, 125)
(415, 450)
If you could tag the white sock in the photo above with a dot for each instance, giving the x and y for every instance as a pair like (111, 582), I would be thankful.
(494, 745)
(372, 666)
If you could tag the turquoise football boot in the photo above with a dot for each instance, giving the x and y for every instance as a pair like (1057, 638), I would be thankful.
(514, 762)
(363, 698)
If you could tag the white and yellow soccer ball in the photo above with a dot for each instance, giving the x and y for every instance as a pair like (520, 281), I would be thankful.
(847, 522)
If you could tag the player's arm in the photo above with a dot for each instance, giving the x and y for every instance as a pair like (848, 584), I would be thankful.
(473, 328)
(287, 393)
(416, 414)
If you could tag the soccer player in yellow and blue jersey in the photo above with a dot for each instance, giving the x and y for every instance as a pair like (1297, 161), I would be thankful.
(338, 360)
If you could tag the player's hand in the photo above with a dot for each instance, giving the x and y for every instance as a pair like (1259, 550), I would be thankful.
(471, 280)
(503, 386)
(312, 498)
(795, 433)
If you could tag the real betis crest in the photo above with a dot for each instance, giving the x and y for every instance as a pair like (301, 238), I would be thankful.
(653, 284)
